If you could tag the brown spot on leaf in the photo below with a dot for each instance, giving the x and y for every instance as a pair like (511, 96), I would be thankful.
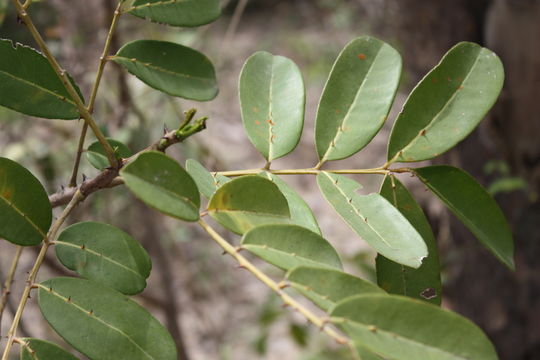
(362, 56)
(257, 122)
(269, 121)
(460, 87)
(338, 111)
(255, 109)
(7, 193)
(434, 80)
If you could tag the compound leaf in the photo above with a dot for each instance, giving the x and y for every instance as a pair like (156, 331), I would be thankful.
(28, 84)
(102, 323)
(326, 287)
(401, 328)
(423, 283)
(447, 104)
(163, 184)
(372, 217)
(172, 68)
(36, 349)
(356, 98)
(473, 205)
(248, 201)
(287, 246)
(272, 99)
(104, 254)
(188, 13)
(25, 211)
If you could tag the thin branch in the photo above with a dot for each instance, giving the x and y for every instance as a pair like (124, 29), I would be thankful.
(109, 177)
(92, 101)
(288, 300)
(62, 75)
(9, 280)
(77, 198)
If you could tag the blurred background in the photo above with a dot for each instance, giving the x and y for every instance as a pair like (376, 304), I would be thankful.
(215, 310)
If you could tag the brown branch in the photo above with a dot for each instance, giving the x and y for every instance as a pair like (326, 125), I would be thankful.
(108, 178)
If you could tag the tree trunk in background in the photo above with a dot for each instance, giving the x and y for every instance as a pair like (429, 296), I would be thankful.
(506, 305)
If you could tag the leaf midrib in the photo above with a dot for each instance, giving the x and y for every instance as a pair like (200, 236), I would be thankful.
(394, 335)
(351, 105)
(100, 255)
(18, 211)
(162, 189)
(48, 91)
(434, 119)
(94, 316)
(483, 238)
(161, 69)
(357, 211)
(150, 5)
(279, 251)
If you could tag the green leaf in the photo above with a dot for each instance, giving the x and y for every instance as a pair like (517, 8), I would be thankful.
(301, 213)
(365, 354)
(248, 201)
(104, 254)
(471, 203)
(372, 217)
(447, 104)
(97, 156)
(172, 68)
(29, 84)
(25, 211)
(423, 283)
(36, 349)
(102, 323)
(287, 246)
(188, 13)
(272, 99)
(326, 287)
(402, 328)
(163, 184)
(356, 98)
(207, 182)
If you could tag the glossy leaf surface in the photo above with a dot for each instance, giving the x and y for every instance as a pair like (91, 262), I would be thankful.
(186, 13)
(207, 182)
(163, 184)
(28, 84)
(97, 156)
(301, 213)
(356, 98)
(472, 204)
(102, 323)
(104, 254)
(423, 283)
(272, 100)
(400, 328)
(287, 246)
(248, 201)
(447, 104)
(172, 68)
(36, 349)
(25, 211)
(326, 287)
(372, 217)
